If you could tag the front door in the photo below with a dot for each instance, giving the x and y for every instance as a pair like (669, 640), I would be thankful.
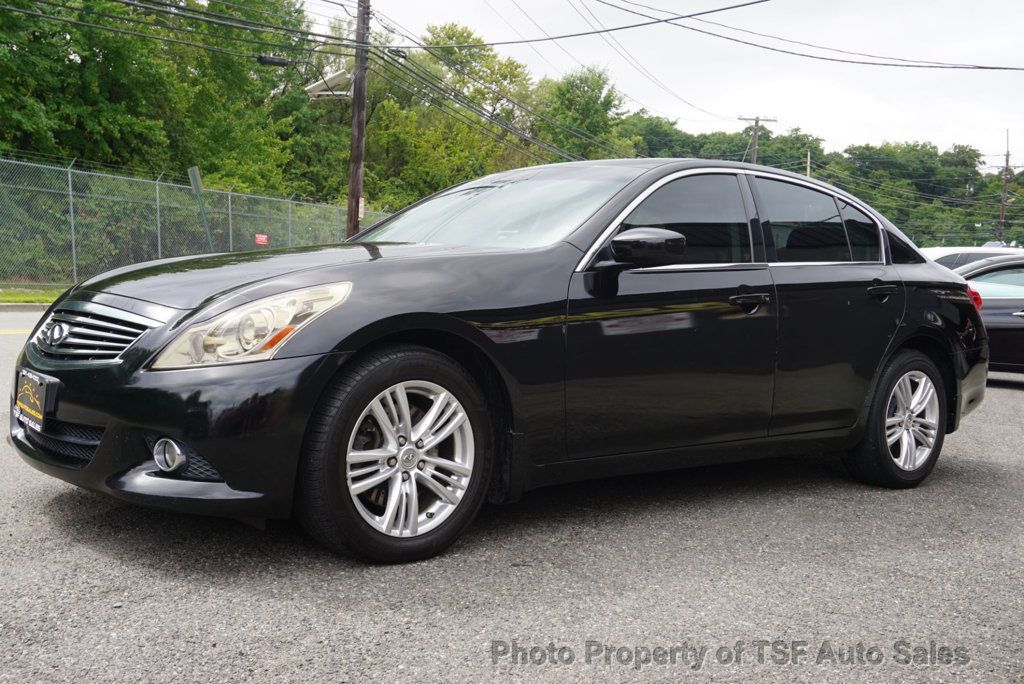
(678, 355)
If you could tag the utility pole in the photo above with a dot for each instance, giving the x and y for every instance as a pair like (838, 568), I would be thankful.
(808, 174)
(757, 121)
(357, 146)
(1007, 172)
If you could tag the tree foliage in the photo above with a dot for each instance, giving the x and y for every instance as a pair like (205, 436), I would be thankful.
(435, 117)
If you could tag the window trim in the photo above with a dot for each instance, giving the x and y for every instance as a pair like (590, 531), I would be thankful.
(883, 244)
(586, 261)
(603, 239)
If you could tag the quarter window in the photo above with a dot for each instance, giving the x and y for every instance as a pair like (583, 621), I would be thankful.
(862, 233)
(805, 224)
(707, 210)
(902, 253)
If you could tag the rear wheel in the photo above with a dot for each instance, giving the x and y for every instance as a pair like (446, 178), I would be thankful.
(906, 424)
(398, 457)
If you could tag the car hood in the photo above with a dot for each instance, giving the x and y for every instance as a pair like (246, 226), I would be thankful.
(189, 282)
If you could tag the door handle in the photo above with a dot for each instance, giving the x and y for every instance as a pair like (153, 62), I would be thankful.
(883, 291)
(1018, 314)
(750, 302)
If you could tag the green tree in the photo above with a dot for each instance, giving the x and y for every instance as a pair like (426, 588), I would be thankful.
(580, 112)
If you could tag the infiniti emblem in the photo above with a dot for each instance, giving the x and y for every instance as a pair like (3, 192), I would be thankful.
(57, 334)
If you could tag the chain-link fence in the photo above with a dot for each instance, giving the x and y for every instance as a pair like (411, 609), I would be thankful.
(59, 225)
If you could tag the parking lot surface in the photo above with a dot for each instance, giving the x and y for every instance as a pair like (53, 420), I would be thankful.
(782, 569)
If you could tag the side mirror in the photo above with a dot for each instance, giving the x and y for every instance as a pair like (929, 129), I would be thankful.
(649, 246)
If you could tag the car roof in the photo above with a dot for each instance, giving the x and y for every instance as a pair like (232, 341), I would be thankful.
(976, 267)
(671, 164)
(934, 252)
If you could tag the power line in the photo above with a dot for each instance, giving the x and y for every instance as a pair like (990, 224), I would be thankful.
(621, 50)
(827, 169)
(788, 40)
(518, 33)
(583, 135)
(165, 26)
(214, 17)
(113, 29)
(549, 38)
(444, 89)
(225, 20)
(452, 112)
(473, 107)
(903, 65)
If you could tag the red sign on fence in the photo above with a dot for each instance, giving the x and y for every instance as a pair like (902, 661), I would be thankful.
(262, 239)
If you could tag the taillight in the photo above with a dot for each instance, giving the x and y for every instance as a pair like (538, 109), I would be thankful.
(975, 297)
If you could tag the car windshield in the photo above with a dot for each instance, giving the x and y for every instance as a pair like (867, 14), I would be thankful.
(518, 210)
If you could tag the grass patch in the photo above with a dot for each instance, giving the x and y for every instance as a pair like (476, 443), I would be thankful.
(29, 295)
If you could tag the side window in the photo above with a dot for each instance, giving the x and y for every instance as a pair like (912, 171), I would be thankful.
(1004, 276)
(865, 240)
(707, 210)
(948, 261)
(805, 224)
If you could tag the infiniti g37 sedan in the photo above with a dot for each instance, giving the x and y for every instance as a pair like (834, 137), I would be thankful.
(532, 327)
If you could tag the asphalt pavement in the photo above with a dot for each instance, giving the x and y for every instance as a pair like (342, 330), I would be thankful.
(780, 569)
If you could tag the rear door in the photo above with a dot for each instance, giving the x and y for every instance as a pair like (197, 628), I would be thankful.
(1002, 295)
(840, 304)
(668, 356)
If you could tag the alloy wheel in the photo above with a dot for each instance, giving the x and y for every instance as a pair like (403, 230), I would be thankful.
(912, 420)
(410, 458)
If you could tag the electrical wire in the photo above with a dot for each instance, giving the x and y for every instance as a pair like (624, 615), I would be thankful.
(442, 106)
(112, 29)
(621, 50)
(796, 42)
(472, 106)
(583, 135)
(164, 26)
(549, 38)
(901, 65)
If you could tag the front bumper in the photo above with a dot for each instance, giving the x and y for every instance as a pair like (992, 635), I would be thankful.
(247, 421)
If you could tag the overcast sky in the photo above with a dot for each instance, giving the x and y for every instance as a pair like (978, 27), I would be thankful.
(845, 104)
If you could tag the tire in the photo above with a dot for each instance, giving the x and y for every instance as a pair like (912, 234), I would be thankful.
(346, 435)
(874, 461)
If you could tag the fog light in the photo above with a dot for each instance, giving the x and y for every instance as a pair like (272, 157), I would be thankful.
(169, 455)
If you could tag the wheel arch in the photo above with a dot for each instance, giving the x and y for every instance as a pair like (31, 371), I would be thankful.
(932, 345)
(466, 345)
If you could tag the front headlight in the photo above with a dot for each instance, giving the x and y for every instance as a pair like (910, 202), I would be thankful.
(252, 332)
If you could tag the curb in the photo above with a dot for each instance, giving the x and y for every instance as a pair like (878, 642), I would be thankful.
(8, 308)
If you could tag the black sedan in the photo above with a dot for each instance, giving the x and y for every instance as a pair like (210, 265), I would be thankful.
(537, 326)
(1000, 281)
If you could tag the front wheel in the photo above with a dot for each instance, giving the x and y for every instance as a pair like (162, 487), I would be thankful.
(906, 424)
(398, 457)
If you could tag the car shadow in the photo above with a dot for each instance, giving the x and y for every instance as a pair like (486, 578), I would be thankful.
(207, 548)
(1014, 383)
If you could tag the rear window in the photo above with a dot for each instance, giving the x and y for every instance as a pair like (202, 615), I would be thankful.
(865, 240)
(805, 224)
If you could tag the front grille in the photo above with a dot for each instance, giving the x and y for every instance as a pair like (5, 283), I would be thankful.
(85, 331)
(70, 441)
